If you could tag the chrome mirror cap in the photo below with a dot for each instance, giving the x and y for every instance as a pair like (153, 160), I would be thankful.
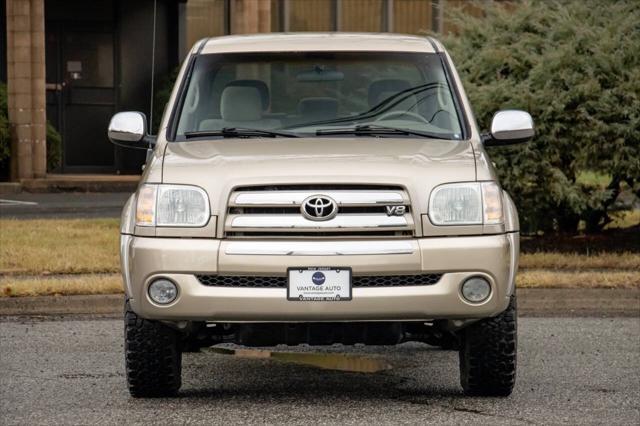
(127, 126)
(512, 126)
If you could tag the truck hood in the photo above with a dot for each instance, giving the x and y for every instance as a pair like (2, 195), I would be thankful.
(220, 165)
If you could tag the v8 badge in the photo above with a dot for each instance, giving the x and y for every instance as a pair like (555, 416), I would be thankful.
(396, 210)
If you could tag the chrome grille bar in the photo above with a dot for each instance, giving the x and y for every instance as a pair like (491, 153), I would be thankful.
(295, 198)
(297, 222)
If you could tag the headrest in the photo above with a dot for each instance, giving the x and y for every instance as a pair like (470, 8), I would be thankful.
(240, 104)
(318, 108)
(258, 84)
(382, 89)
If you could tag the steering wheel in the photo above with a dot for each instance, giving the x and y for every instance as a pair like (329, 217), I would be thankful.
(393, 114)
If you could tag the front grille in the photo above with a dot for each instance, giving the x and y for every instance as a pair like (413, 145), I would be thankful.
(242, 281)
(278, 212)
(396, 280)
(281, 282)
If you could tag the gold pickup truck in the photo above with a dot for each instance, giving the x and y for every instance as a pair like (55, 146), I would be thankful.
(319, 189)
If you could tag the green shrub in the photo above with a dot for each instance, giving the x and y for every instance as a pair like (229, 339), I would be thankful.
(575, 66)
(54, 140)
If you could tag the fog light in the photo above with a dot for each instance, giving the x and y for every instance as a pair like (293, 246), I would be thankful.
(163, 291)
(476, 289)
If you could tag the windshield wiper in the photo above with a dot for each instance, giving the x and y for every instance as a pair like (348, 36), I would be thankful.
(377, 110)
(372, 129)
(239, 132)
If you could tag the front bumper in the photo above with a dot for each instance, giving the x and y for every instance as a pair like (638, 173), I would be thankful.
(457, 258)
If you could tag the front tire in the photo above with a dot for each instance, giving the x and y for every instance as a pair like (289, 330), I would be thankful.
(488, 354)
(152, 355)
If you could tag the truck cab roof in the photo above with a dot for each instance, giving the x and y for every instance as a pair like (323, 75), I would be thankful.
(309, 42)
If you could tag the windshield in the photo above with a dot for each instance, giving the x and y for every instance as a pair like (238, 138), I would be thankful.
(319, 93)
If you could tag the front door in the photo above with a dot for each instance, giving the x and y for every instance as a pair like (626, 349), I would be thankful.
(81, 95)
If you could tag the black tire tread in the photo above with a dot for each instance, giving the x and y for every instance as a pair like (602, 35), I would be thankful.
(488, 354)
(152, 356)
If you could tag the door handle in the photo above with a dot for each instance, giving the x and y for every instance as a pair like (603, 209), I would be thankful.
(53, 86)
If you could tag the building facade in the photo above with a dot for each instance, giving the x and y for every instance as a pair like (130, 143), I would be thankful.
(74, 63)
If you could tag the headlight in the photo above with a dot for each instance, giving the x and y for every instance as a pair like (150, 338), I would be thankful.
(172, 205)
(472, 203)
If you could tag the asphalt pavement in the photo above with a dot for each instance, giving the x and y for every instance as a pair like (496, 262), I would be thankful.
(571, 371)
(62, 205)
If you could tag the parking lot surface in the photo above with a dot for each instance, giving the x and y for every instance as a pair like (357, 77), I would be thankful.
(571, 370)
(62, 205)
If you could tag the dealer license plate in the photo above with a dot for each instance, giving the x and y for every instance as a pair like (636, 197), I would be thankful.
(319, 284)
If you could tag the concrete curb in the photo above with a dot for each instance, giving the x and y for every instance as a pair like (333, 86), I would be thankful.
(72, 183)
(100, 305)
(10, 188)
(593, 302)
(531, 303)
(69, 185)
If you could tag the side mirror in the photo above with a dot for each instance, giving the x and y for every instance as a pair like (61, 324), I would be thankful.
(128, 129)
(509, 127)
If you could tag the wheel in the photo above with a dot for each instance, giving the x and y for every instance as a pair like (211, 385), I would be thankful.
(488, 354)
(153, 356)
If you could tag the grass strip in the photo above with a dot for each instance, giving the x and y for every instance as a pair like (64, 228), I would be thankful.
(544, 278)
(573, 261)
(66, 285)
(58, 246)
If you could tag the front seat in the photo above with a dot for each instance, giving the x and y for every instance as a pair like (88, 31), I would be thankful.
(262, 87)
(240, 106)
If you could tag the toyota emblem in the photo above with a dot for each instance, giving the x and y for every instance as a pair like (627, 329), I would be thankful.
(319, 207)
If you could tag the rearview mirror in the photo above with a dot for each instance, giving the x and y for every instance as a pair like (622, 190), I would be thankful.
(128, 129)
(509, 127)
(320, 73)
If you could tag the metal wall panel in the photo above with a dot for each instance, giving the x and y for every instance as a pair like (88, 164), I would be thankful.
(412, 16)
(361, 15)
(311, 15)
(205, 18)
